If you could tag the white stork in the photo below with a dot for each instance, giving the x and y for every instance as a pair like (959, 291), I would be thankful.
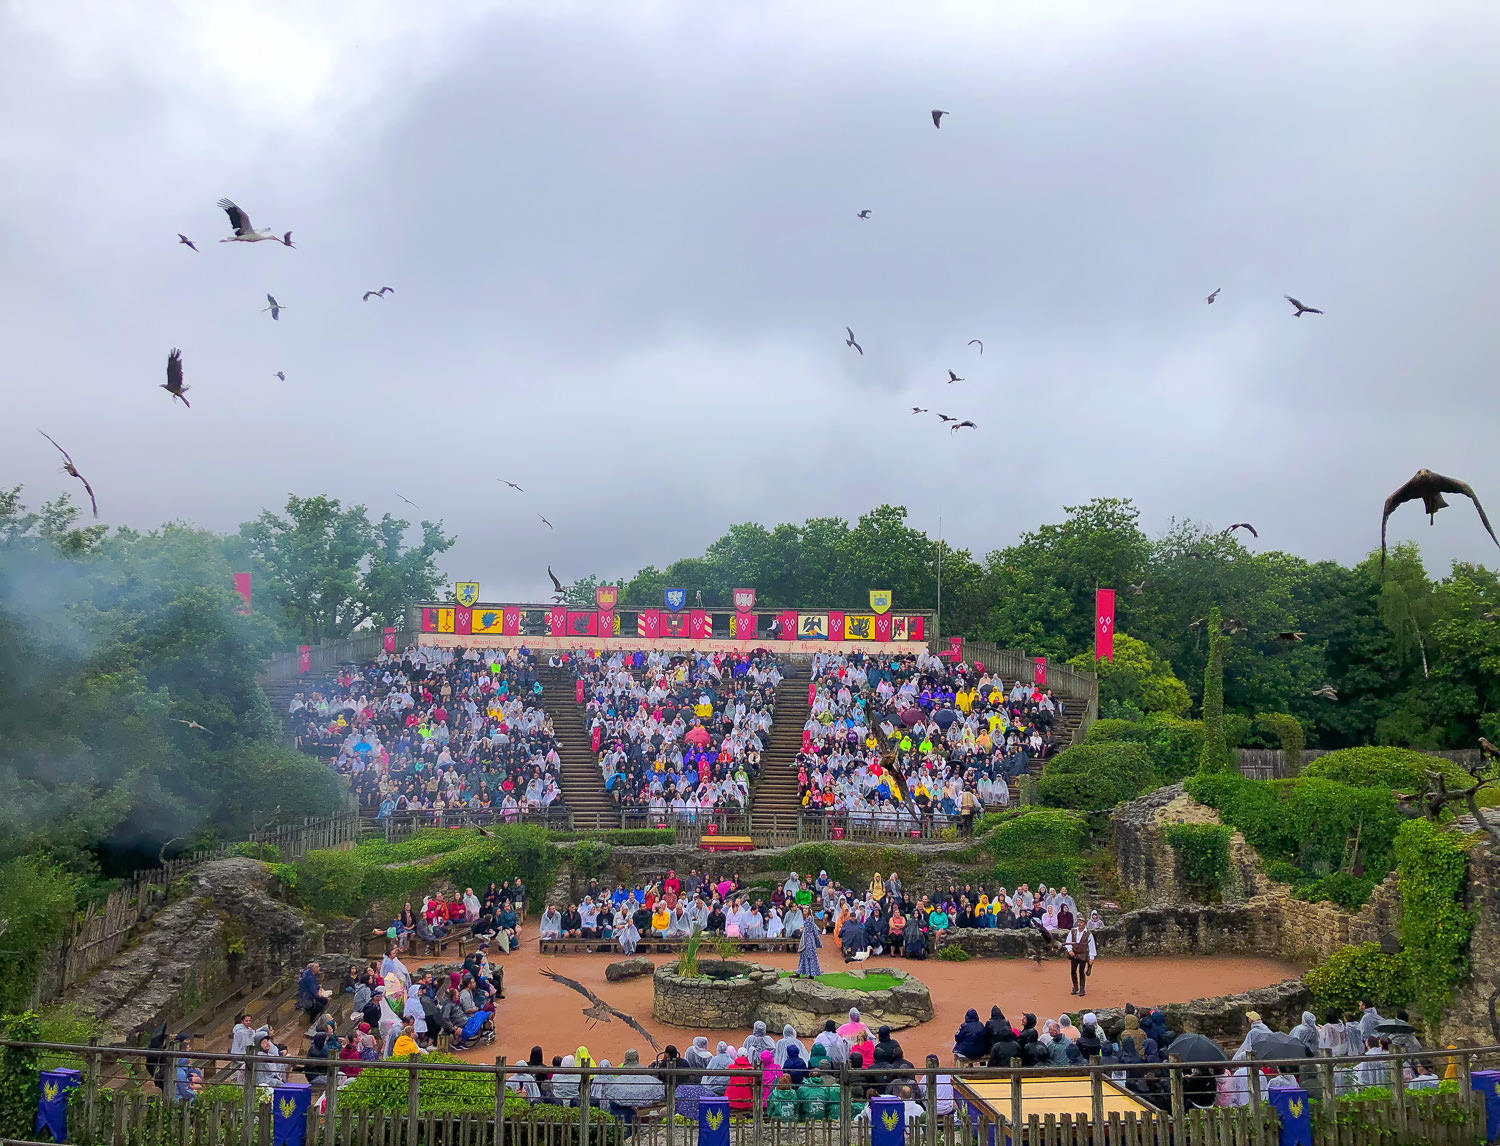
(244, 232)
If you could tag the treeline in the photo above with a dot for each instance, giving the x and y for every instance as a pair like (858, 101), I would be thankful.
(1411, 658)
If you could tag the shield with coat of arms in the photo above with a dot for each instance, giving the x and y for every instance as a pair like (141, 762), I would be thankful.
(880, 600)
(744, 600)
(605, 596)
(675, 598)
(466, 593)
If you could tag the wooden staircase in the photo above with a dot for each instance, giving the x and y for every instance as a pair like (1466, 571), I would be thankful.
(581, 781)
(775, 789)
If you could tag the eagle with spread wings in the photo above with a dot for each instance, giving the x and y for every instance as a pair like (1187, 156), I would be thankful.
(598, 1010)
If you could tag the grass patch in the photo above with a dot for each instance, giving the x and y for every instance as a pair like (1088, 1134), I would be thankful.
(845, 981)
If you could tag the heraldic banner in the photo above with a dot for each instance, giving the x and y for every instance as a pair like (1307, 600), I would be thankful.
(835, 626)
(52, 1102)
(1104, 624)
(880, 600)
(674, 624)
(487, 621)
(242, 587)
(304, 658)
(787, 622)
(713, 1121)
(388, 639)
(887, 1121)
(557, 620)
(698, 625)
(289, 1103)
(1295, 1115)
(648, 623)
(859, 627)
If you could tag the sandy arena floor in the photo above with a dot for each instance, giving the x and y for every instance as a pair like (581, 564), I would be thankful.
(536, 1011)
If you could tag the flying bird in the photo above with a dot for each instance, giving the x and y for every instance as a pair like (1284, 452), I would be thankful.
(1430, 487)
(190, 724)
(952, 377)
(185, 241)
(1327, 691)
(1210, 298)
(1195, 624)
(369, 294)
(174, 384)
(976, 342)
(945, 418)
(286, 240)
(281, 374)
(1234, 626)
(865, 214)
(243, 231)
(1197, 554)
(545, 522)
(599, 1011)
(1289, 635)
(919, 410)
(850, 341)
(512, 485)
(963, 426)
(1136, 590)
(275, 308)
(409, 502)
(1242, 525)
(72, 471)
(557, 586)
(937, 117)
(1301, 308)
(1492, 616)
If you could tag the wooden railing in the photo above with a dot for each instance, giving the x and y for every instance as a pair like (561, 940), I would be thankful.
(325, 657)
(1270, 763)
(1155, 1104)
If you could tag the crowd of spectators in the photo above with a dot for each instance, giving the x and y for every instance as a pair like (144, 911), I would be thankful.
(678, 733)
(433, 730)
(893, 740)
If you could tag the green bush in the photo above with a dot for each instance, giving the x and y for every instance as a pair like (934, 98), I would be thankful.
(269, 853)
(1202, 854)
(1090, 776)
(622, 837)
(1174, 744)
(441, 1092)
(1342, 888)
(952, 953)
(1043, 846)
(38, 899)
(849, 864)
(1432, 867)
(1359, 971)
(1288, 732)
(19, 1077)
(1399, 769)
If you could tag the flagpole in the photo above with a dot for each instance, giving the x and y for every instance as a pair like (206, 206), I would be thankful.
(939, 625)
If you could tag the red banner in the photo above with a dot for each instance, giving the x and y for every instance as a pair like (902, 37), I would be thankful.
(510, 622)
(673, 624)
(955, 651)
(463, 620)
(648, 623)
(606, 623)
(557, 620)
(304, 658)
(1041, 672)
(389, 643)
(882, 626)
(1104, 624)
(582, 624)
(835, 626)
(698, 625)
(788, 623)
(242, 587)
(914, 628)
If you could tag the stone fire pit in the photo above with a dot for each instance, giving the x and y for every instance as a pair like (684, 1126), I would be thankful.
(735, 994)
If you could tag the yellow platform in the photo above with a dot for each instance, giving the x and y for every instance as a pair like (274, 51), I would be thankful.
(989, 1098)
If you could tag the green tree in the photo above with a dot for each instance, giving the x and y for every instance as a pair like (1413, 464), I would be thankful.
(1215, 750)
(332, 570)
(1137, 681)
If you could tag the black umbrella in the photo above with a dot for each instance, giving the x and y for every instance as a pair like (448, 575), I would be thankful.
(945, 717)
(1274, 1046)
(1395, 1027)
(1196, 1048)
(910, 716)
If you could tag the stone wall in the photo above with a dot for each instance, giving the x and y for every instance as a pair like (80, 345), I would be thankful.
(1223, 1016)
(1474, 1013)
(1148, 864)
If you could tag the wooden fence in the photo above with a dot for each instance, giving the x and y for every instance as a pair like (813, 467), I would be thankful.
(1270, 763)
(329, 655)
(100, 932)
(1154, 1105)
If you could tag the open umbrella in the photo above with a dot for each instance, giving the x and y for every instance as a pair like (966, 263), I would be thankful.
(1395, 1027)
(910, 716)
(1277, 1046)
(945, 717)
(1196, 1048)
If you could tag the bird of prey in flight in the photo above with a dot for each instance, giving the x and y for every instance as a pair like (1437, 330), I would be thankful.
(72, 471)
(1429, 488)
(850, 341)
(599, 1011)
(1301, 307)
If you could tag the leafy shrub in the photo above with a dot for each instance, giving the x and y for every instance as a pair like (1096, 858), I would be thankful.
(38, 899)
(1283, 872)
(1340, 887)
(622, 837)
(441, 1091)
(19, 1079)
(590, 858)
(1092, 776)
(952, 953)
(1359, 971)
(1174, 744)
(270, 853)
(1432, 866)
(1202, 854)
(849, 864)
(1400, 769)
(1042, 846)
(1288, 732)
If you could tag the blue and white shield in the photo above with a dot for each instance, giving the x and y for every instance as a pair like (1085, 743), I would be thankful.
(675, 598)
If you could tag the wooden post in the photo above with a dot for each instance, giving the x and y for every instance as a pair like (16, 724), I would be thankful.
(1015, 1105)
(499, 1099)
(671, 1107)
(91, 1094)
(1179, 1100)
(844, 1115)
(1465, 1067)
(412, 1118)
(1398, 1093)
(1257, 1107)
(1096, 1104)
(932, 1097)
(330, 1103)
(584, 1086)
(247, 1131)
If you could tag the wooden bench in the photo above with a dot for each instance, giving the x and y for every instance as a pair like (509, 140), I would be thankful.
(726, 843)
(656, 944)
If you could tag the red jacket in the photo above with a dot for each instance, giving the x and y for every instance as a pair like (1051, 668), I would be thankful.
(740, 1091)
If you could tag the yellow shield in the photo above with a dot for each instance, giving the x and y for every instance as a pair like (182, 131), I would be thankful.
(467, 593)
(890, 1118)
(715, 1119)
(880, 600)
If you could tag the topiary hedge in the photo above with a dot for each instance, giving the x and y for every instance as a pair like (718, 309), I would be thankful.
(447, 1092)
(1432, 867)
(1399, 769)
(1043, 846)
(1174, 744)
(1090, 776)
(1288, 732)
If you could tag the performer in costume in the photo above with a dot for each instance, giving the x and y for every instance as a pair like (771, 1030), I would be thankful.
(807, 961)
(1081, 953)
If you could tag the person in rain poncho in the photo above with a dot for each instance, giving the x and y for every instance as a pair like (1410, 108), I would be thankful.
(723, 1059)
(1306, 1032)
(757, 1042)
(788, 1039)
(834, 1045)
(565, 1086)
(1257, 1030)
(854, 1028)
(628, 936)
(698, 1056)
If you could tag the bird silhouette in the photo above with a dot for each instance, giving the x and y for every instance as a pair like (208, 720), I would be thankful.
(281, 374)
(1302, 308)
(599, 1011)
(1328, 692)
(1136, 590)
(286, 240)
(381, 293)
(1492, 616)
(185, 241)
(1430, 487)
(865, 214)
(850, 341)
(919, 410)
(512, 485)
(244, 232)
(190, 724)
(557, 586)
(937, 117)
(409, 502)
(1234, 626)
(945, 418)
(545, 522)
(976, 342)
(275, 308)
(1289, 635)
(952, 377)
(1242, 525)
(174, 384)
(1210, 298)
(1488, 750)
(965, 425)
(72, 471)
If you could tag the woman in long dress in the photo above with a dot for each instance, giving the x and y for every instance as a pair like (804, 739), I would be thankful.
(807, 961)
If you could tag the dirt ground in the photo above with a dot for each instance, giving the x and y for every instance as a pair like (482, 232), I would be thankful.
(536, 1011)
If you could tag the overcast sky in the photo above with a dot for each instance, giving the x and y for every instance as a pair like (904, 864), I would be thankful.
(623, 243)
